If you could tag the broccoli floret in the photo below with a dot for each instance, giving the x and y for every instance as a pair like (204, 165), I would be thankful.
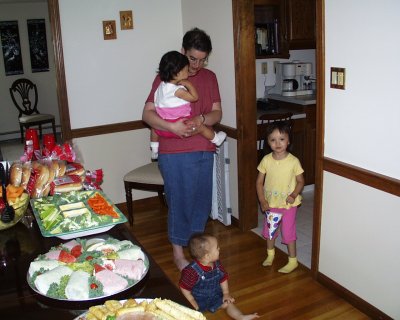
(58, 290)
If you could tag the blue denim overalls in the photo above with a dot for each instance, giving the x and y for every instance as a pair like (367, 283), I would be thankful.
(207, 291)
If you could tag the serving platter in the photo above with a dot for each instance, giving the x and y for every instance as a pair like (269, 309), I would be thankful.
(138, 300)
(74, 217)
(138, 308)
(97, 255)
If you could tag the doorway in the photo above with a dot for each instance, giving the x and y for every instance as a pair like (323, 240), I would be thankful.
(49, 98)
(243, 24)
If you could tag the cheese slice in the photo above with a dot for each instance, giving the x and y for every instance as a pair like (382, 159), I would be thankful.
(71, 206)
(75, 212)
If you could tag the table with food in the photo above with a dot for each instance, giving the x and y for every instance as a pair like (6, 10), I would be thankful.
(66, 251)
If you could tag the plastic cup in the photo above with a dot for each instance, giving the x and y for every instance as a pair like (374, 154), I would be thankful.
(32, 134)
(49, 141)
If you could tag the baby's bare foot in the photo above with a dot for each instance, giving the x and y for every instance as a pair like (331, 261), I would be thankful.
(181, 263)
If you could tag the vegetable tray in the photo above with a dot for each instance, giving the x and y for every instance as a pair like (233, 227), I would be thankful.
(75, 214)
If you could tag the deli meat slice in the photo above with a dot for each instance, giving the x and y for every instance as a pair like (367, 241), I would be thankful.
(112, 282)
(53, 254)
(70, 244)
(133, 269)
(131, 254)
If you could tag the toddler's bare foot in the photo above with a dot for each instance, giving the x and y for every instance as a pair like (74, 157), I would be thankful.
(181, 263)
(250, 316)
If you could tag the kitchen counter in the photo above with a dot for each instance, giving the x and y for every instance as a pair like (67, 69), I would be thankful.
(302, 100)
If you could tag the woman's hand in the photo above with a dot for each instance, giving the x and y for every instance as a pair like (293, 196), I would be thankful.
(180, 128)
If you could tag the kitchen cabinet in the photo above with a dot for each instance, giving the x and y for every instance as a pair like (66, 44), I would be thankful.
(283, 25)
(303, 135)
(270, 29)
(300, 24)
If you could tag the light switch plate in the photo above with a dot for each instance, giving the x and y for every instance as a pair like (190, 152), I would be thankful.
(338, 78)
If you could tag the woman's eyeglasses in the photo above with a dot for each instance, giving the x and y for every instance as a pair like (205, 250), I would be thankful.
(194, 60)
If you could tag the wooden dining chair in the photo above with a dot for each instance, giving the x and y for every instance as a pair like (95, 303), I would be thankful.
(148, 178)
(264, 121)
(24, 95)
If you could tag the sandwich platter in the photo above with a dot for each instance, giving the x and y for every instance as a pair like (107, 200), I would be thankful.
(87, 269)
(75, 214)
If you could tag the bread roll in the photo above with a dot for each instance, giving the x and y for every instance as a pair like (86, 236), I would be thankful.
(62, 167)
(74, 168)
(16, 174)
(26, 173)
(41, 177)
(66, 184)
(56, 168)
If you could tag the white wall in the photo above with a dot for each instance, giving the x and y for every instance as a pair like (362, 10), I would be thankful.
(370, 129)
(361, 129)
(109, 80)
(360, 242)
(45, 81)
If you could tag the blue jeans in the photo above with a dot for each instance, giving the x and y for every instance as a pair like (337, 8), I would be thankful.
(188, 190)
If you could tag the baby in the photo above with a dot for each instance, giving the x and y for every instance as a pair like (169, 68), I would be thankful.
(204, 282)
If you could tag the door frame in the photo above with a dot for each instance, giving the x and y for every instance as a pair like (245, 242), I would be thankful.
(243, 30)
(55, 23)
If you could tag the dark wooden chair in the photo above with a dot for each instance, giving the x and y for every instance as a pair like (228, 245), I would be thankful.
(148, 178)
(24, 95)
(264, 121)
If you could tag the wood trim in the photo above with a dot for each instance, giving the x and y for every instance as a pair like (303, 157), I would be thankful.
(350, 297)
(108, 128)
(245, 80)
(231, 132)
(55, 23)
(364, 176)
(320, 134)
(132, 125)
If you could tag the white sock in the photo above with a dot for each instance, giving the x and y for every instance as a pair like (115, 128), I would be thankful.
(154, 149)
(219, 138)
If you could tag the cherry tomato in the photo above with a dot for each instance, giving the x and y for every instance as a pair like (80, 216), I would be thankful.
(88, 258)
(93, 286)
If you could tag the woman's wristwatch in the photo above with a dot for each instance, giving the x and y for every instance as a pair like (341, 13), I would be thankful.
(203, 118)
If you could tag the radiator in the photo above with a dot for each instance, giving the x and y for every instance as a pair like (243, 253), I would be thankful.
(221, 202)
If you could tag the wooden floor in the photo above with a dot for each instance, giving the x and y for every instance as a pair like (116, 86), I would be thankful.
(255, 288)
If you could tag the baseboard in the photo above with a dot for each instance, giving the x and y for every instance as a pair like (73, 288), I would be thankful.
(353, 299)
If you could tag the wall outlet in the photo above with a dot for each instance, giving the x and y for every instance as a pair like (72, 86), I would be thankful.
(264, 68)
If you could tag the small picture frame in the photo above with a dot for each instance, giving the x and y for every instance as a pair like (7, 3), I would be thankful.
(109, 30)
(126, 19)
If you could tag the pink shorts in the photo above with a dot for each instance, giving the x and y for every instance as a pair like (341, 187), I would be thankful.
(287, 227)
(167, 134)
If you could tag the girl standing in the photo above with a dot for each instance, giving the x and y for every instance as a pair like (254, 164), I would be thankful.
(279, 183)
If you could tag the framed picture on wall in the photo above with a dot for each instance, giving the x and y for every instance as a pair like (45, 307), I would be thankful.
(109, 30)
(9, 34)
(38, 45)
(126, 19)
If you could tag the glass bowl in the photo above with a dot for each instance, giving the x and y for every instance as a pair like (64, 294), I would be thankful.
(20, 207)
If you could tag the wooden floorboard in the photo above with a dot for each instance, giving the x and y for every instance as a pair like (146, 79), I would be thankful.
(256, 289)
